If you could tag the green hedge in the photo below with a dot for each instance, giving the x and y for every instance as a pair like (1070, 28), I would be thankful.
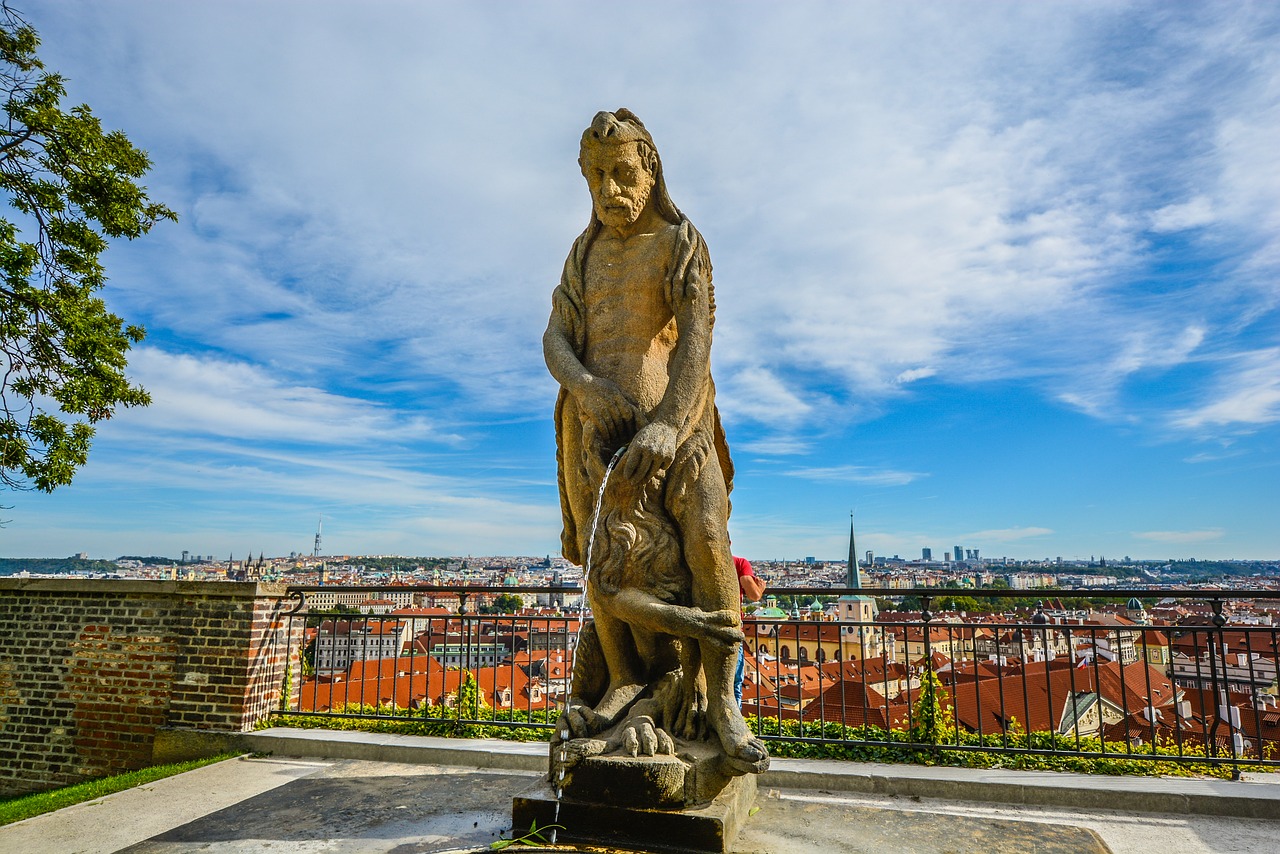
(829, 741)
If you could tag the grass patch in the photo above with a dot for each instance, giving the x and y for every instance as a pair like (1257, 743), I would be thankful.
(26, 806)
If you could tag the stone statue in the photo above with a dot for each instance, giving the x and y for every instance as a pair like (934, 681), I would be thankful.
(629, 341)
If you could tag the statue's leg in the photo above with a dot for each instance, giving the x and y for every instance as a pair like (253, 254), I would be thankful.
(626, 671)
(699, 502)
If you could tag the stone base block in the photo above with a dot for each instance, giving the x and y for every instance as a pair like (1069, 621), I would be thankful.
(711, 827)
(694, 776)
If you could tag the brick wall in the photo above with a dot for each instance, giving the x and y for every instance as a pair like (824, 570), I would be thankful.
(91, 671)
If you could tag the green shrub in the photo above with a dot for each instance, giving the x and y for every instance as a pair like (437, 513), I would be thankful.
(932, 738)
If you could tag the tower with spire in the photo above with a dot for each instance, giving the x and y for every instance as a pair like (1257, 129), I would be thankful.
(865, 639)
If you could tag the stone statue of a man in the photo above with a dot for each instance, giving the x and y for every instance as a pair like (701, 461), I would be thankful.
(629, 341)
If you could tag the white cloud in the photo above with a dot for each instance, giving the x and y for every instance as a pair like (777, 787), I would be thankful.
(913, 375)
(1145, 347)
(757, 394)
(776, 446)
(1247, 395)
(1191, 214)
(218, 397)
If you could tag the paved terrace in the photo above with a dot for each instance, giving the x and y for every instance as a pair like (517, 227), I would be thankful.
(322, 791)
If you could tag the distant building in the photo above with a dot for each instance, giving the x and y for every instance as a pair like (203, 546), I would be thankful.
(319, 600)
(341, 642)
(926, 554)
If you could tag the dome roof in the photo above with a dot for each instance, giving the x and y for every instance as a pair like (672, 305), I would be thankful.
(1134, 605)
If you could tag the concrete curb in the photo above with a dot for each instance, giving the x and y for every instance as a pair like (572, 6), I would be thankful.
(486, 753)
(1237, 799)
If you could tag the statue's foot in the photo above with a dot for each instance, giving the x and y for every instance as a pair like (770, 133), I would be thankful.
(751, 758)
(687, 716)
(567, 754)
(742, 750)
(578, 721)
(639, 735)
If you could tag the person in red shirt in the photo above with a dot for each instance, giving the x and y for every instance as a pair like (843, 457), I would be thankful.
(751, 589)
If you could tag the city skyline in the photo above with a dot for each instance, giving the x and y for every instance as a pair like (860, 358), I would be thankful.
(1001, 276)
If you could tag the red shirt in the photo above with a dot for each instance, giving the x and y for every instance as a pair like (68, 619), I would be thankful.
(743, 566)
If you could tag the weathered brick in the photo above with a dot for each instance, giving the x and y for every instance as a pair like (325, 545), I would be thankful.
(90, 669)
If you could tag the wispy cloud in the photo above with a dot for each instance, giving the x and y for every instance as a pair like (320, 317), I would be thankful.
(1006, 535)
(1195, 213)
(775, 446)
(195, 396)
(1212, 456)
(857, 474)
(1181, 536)
(1246, 395)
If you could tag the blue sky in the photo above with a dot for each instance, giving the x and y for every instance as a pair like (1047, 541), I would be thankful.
(996, 274)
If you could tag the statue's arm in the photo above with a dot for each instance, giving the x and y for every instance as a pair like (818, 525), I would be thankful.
(598, 398)
(561, 359)
(654, 447)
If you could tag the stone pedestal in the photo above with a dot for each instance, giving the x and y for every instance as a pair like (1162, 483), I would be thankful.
(609, 821)
(689, 802)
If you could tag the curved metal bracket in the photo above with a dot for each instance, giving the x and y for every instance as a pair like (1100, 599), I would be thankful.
(301, 598)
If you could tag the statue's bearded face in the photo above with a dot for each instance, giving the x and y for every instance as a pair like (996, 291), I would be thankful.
(621, 181)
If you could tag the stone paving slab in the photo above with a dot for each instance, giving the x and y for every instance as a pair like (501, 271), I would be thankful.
(358, 806)
(784, 826)
(347, 806)
(109, 824)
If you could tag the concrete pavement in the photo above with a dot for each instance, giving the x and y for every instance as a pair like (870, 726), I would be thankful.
(359, 792)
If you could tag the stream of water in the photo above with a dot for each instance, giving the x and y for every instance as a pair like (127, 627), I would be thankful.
(558, 783)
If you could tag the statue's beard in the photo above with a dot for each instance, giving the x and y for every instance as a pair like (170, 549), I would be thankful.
(622, 210)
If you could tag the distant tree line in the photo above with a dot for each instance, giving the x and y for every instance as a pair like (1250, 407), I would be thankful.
(52, 565)
(1205, 570)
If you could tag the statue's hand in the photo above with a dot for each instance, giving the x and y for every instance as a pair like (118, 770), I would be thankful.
(608, 408)
(651, 451)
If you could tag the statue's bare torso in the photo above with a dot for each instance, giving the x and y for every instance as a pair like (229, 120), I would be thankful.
(631, 331)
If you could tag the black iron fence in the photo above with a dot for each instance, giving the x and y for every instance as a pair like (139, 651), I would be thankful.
(1187, 677)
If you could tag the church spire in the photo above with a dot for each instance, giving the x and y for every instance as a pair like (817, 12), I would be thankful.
(853, 578)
